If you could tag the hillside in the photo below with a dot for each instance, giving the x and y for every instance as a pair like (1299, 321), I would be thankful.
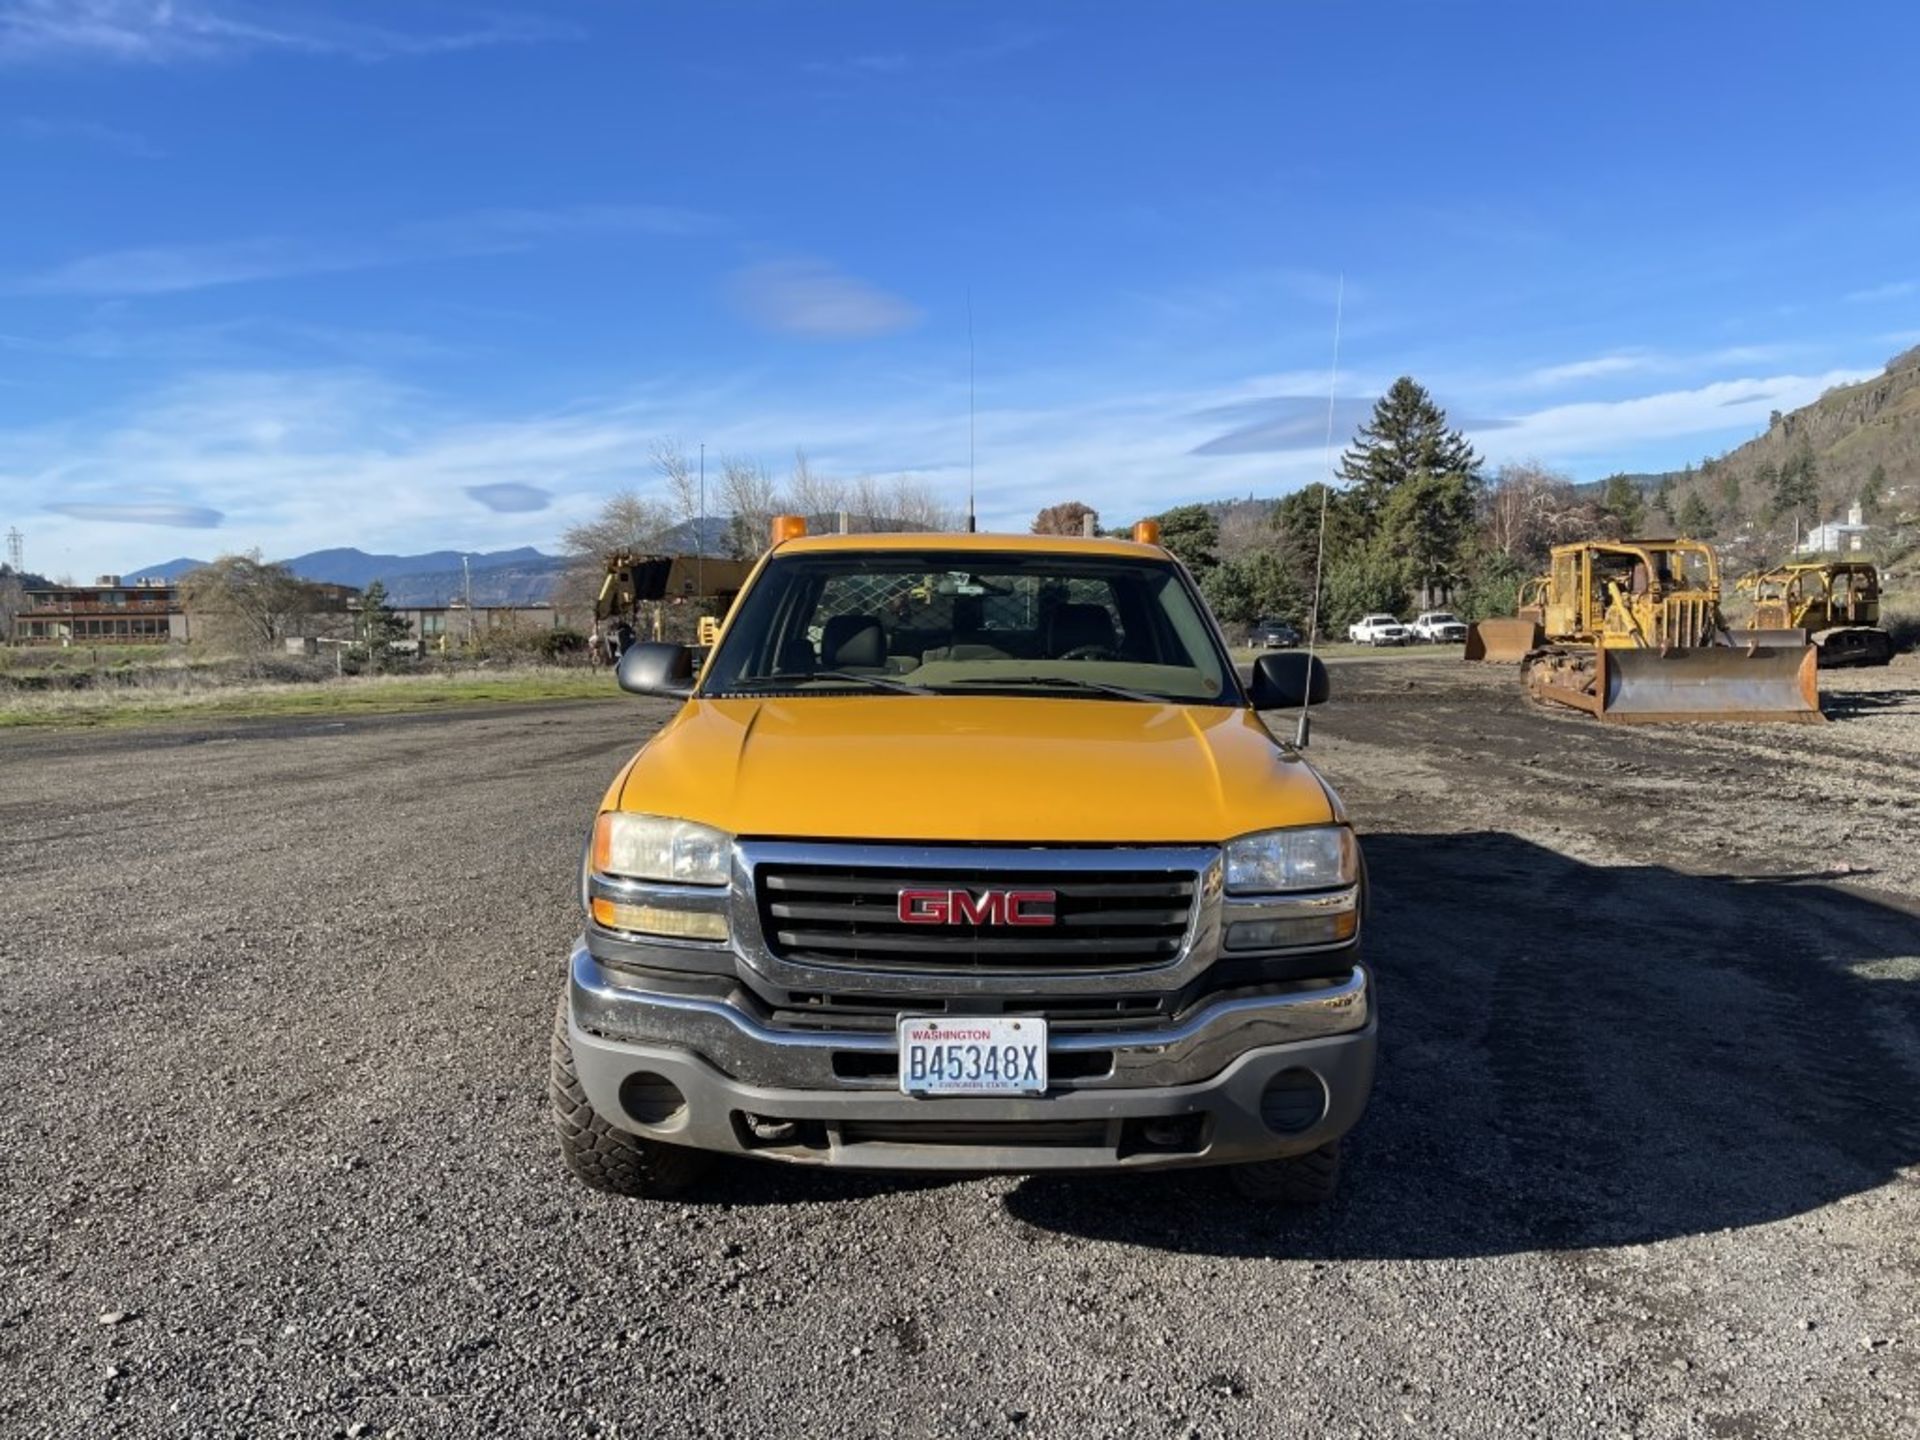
(1864, 442)
(521, 576)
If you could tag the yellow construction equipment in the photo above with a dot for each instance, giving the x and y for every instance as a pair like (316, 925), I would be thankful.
(1837, 602)
(1632, 631)
(1508, 642)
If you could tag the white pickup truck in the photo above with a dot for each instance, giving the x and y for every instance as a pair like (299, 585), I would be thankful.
(1378, 630)
(1439, 627)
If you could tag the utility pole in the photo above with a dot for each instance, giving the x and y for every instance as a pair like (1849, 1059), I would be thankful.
(700, 529)
(466, 574)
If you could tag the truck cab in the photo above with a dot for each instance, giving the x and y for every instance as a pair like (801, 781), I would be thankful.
(971, 853)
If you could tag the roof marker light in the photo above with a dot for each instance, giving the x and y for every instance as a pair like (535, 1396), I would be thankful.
(788, 527)
(1146, 532)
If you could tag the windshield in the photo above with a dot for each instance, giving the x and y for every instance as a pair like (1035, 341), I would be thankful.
(916, 622)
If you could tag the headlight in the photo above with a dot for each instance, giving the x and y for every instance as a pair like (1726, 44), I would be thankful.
(653, 847)
(1316, 857)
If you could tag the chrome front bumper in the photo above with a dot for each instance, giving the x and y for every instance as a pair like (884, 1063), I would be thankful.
(1213, 1068)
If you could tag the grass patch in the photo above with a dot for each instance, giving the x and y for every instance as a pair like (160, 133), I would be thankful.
(370, 695)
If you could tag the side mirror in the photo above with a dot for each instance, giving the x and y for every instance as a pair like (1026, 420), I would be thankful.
(656, 668)
(1289, 679)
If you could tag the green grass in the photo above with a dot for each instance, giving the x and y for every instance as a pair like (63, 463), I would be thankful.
(374, 695)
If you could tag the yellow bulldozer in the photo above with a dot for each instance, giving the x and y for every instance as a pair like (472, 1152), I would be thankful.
(1631, 631)
(1837, 602)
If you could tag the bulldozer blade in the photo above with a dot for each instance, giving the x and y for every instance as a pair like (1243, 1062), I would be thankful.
(1747, 681)
(1503, 642)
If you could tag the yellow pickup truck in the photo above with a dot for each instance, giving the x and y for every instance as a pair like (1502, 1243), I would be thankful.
(967, 852)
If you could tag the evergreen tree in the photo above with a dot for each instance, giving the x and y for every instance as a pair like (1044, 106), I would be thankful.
(1407, 435)
(1730, 493)
(1414, 488)
(1796, 488)
(1696, 520)
(1192, 533)
(1624, 504)
(376, 626)
(1873, 492)
(1663, 499)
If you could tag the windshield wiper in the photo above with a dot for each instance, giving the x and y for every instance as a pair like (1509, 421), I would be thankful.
(870, 682)
(1059, 682)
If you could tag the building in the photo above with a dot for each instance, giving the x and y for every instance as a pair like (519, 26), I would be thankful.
(438, 626)
(1836, 537)
(146, 612)
(107, 612)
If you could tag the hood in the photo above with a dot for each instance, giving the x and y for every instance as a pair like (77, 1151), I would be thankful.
(992, 768)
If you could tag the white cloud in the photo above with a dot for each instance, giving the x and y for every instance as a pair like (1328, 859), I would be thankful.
(1587, 428)
(1647, 362)
(1587, 369)
(810, 298)
(172, 31)
(302, 460)
(171, 269)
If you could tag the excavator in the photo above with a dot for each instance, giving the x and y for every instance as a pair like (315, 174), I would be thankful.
(1631, 632)
(1837, 602)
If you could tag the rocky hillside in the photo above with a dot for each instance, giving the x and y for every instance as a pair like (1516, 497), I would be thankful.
(1851, 430)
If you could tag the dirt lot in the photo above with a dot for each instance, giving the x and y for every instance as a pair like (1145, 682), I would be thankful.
(1642, 1160)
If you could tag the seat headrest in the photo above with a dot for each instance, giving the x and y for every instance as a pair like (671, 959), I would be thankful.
(1070, 627)
(853, 642)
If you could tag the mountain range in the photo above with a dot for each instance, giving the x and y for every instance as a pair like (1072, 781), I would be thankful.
(521, 576)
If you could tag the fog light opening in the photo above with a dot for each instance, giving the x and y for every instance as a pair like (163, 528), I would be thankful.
(652, 1099)
(1294, 1101)
(1170, 1132)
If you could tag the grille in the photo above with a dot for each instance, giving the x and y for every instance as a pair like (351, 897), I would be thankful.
(1103, 920)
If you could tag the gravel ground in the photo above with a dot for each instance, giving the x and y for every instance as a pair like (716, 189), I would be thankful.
(1642, 1159)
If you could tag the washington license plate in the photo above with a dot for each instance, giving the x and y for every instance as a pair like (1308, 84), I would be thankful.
(997, 1055)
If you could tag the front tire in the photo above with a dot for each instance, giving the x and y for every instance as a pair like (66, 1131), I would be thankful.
(602, 1156)
(1296, 1180)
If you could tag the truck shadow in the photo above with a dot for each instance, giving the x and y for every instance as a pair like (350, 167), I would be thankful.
(1575, 1056)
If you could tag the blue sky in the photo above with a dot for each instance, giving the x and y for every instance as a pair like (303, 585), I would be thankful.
(414, 273)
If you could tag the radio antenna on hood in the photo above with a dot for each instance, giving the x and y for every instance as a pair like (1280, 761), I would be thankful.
(1326, 490)
(970, 523)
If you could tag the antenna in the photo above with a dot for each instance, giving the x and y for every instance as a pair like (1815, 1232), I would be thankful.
(15, 542)
(970, 520)
(1326, 489)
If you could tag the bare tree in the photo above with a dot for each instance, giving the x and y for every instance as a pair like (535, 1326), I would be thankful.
(1247, 529)
(752, 500)
(628, 523)
(811, 493)
(1066, 518)
(1529, 508)
(243, 602)
(683, 485)
(914, 504)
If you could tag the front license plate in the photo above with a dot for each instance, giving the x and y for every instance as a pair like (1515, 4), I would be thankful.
(998, 1055)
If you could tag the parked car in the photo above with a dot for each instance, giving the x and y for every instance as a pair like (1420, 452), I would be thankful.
(1379, 630)
(1440, 627)
(1273, 635)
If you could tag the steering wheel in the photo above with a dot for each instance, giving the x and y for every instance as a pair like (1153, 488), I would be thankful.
(1089, 652)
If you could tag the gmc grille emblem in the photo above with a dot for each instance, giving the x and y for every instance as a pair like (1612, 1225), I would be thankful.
(989, 907)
